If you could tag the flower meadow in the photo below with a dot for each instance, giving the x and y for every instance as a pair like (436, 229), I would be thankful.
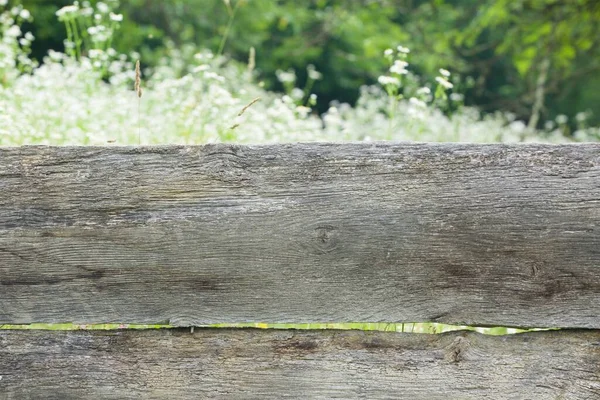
(85, 96)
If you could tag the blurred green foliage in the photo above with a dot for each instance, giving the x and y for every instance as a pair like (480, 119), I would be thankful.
(496, 46)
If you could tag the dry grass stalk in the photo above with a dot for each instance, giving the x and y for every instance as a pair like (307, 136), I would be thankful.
(251, 60)
(138, 90)
(248, 106)
(244, 110)
(138, 79)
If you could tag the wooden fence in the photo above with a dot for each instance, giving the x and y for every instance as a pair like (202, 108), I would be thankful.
(478, 235)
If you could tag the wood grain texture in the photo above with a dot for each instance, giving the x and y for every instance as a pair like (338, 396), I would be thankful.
(467, 234)
(254, 364)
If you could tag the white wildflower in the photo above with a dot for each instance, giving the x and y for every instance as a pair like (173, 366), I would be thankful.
(403, 49)
(103, 7)
(201, 68)
(87, 11)
(445, 73)
(116, 17)
(303, 111)
(457, 97)
(66, 10)
(388, 80)
(517, 126)
(25, 14)
(562, 119)
(55, 55)
(424, 91)
(286, 77)
(444, 82)
(95, 53)
(3, 2)
(13, 31)
(313, 73)
(6, 19)
(399, 67)
(213, 75)
(297, 94)
(417, 102)
(388, 52)
(581, 117)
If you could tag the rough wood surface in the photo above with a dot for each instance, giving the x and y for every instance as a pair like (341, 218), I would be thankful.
(249, 364)
(467, 234)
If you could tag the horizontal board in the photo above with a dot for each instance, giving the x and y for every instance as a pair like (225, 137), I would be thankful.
(255, 364)
(463, 234)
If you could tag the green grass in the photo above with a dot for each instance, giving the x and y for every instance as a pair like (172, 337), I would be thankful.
(76, 327)
(430, 328)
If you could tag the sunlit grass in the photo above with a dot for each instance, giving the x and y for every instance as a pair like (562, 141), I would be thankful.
(77, 327)
(430, 328)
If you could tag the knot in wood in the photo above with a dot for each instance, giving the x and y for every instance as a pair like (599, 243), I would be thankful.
(456, 352)
(326, 238)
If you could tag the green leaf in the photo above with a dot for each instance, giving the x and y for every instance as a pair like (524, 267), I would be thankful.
(524, 60)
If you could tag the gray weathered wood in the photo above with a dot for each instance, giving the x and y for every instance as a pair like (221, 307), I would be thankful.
(480, 235)
(254, 364)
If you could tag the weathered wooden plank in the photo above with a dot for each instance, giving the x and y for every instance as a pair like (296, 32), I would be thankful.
(480, 235)
(254, 364)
